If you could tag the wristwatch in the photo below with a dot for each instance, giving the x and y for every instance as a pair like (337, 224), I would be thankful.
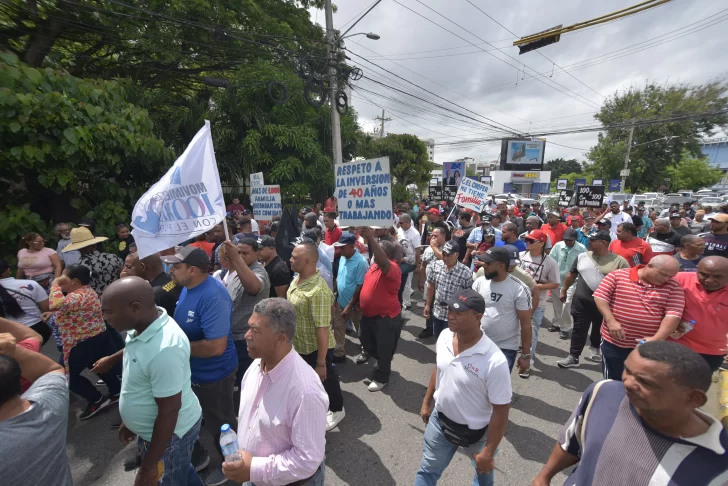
(525, 356)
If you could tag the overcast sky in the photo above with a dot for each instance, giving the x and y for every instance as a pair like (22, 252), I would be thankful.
(483, 83)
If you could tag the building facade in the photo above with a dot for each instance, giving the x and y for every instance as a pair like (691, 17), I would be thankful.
(716, 150)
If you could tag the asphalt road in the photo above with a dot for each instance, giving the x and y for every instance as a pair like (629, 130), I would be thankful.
(380, 440)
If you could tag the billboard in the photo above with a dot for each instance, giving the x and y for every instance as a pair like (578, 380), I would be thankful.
(453, 173)
(519, 154)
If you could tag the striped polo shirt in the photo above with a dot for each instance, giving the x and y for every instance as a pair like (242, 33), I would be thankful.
(638, 306)
(618, 448)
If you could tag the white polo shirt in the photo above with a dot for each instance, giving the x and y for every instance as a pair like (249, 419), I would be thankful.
(467, 384)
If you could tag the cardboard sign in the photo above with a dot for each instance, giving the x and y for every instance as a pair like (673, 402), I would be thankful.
(471, 195)
(364, 193)
(565, 197)
(562, 184)
(256, 179)
(266, 201)
(449, 193)
(589, 196)
(435, 193)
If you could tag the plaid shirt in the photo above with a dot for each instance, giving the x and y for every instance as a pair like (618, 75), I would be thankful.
(312, 299)
(447, 283)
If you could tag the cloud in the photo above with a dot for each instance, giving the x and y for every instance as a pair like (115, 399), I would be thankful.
(505, 91)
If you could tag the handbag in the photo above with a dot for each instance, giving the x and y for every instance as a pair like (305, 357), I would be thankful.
(459, 434)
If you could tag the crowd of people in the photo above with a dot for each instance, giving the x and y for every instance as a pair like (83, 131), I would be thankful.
(247, 332)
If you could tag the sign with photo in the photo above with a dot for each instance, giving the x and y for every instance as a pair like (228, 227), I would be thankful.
(453, 173)
(562, 184)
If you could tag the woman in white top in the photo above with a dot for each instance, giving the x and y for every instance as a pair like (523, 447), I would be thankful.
(23, 301)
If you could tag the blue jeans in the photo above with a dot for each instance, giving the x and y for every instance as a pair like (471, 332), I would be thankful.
(316, 480)
(613, 358)
(510, 355)
(535, 325)
(177, 468)
(438, 326)
(438, 453)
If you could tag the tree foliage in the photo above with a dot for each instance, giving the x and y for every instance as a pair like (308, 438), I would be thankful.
(656, 147)
(70, 147)
(693, 173)
(560, 166)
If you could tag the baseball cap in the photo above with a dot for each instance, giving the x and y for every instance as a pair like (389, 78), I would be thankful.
(675, 216)
(346, 239)
(496, 254)
(641, 207)
(515, 258)
(433, 211)
(629, 208)
(450, 248)
(601, 235)
(484, 218)
(189, 255)
(467, 299)
(537, 235)
(302, 239)
(247, 211)
(605, 221)
(721, 218)
(569, 234)
(553, 213)
(266, 241)
(578, 218)
(589, 216)
(489, 232)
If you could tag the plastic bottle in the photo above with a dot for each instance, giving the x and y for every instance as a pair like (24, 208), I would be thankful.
(686, 327)
(689, 325)
(229, 444)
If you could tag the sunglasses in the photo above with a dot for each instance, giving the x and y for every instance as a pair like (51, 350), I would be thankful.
(527, 240)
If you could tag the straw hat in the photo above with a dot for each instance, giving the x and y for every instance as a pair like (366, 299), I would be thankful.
(81, 238)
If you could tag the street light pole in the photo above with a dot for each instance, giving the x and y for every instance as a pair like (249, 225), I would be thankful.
(626, 158)
(333, 83)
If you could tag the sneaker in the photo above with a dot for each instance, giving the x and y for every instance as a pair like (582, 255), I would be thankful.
(215, 478)
(405, 307)
(113, 399)
(564, 335)
(375, 386)
(200, 458)
(425, 333)
(351, 332)
(595, 355)
(94, 408)
(339, 359)
(525, 374)
(553, 328)
(132, 462)
(333, 419)
(362, 358)
(568, 362)
(100, 383)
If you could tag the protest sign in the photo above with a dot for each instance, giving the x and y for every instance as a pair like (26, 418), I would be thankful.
(187, 200)
(435, 193)
(565, 197)
(449, 193)
(471, 195)
(589, 196)
(266, 201)
(614, 184)
(562, 184)
(579, 182)
(598, 182)
(256, 179)
(364, 193)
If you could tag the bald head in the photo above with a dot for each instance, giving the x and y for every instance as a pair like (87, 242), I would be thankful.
(304, 258)
(713, 273)
(660, 270)
(665, 262)
(129, 304)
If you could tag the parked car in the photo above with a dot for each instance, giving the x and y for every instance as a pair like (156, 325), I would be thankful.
(711, 200)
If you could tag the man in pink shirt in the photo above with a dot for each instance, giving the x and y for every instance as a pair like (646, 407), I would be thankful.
(283, 406)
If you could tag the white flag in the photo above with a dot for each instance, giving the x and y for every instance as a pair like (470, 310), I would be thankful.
(186, 202)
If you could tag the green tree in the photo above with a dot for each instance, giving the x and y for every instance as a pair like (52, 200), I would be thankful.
(658, 146)
(560, 166)
(571, 178)
(70, 148)
(693, 173)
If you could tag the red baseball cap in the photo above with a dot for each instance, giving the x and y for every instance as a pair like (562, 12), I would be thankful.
(537, 235)
(433, 211)
(579, 218)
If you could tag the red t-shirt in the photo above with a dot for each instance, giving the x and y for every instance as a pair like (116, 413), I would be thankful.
(204, 246)
(378, 295)
(636, 252)
(31, 345)
(332, 236)
(708, 310)
(556, 234)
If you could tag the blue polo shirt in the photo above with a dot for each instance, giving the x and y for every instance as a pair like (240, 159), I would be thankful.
(351, 274)
(205, 312)
(157, 365)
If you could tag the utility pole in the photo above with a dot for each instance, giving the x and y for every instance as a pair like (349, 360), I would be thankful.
(333, 83)
(625, 172)
(382, 119)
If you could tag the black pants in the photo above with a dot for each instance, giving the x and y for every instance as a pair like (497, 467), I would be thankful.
(585, 314)
(613, 358)
(216, 401)
(82, 356)
(331, 383)
(379, 337)
(43, 329)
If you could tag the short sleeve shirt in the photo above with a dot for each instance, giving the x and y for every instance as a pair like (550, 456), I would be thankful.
(447, 283)
(351, 274)
(205, 312)
(27, 293)
(36, 262)
(543, 269)
(636, 252)
(715, 245)
(664, 243)
(279, 275)
(166, 292)
(33, 443)
(243, 303)
(502, 301)
(312, 299)
(157, 365)
(378, 295)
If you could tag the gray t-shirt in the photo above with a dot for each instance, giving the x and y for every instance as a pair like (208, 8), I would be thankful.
(502, 299)
(33, 444)
(543, 269)
(244, 303)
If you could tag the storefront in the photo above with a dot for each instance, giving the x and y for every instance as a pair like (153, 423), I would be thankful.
(526, 183)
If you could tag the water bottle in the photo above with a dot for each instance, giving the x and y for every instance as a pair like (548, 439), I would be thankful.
(229, 444)
(686, 327)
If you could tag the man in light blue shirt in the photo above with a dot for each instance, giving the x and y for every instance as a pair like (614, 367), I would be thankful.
(646, 222)
(352, 268)
(156, 402)
(565, 253)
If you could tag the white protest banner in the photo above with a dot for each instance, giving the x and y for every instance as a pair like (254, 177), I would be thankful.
(471, 195)
(187, 200)
(256, 179)
(364, 193)
(266, 201)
